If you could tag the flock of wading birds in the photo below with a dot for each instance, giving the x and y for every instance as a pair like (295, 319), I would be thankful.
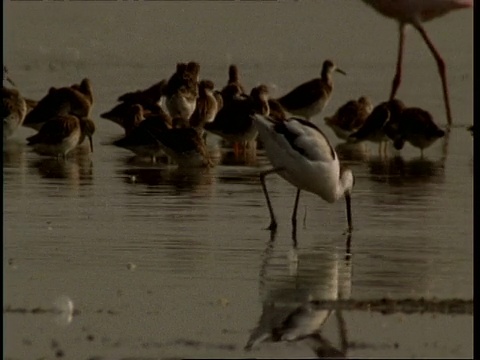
(298, 150)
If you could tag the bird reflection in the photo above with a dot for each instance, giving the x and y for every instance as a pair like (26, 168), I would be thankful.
(189, 180)
(230, 158)
(181, 179)
(138, 160)
(146, 176)
(289, 312)
(14, 154)
(352, 151)
(78, 168)
(397, 171)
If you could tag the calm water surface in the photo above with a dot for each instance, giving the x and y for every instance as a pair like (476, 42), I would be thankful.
(162, 262)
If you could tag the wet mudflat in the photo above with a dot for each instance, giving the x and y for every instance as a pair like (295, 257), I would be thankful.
(106, 256)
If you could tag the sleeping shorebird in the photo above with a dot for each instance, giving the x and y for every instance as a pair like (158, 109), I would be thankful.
(182, 101)
(302, 155)
(132, 117)
(310, 98)
(181, 91)
(185, 145)
(233, 81)
(415, 13)
(148, 98)
(71, 100)
(379, 123)
(234, 122)
(350, 117)
(85, 88)
(232, 92)
(141, 135)
(61, 134)
(120, 115)
(206, 107)
(417, 127)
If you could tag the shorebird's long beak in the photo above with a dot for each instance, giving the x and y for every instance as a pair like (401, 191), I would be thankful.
(91, 143)
(349, 212)
(340, 71)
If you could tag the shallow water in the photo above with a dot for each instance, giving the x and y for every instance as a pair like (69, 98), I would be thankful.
(162, 262)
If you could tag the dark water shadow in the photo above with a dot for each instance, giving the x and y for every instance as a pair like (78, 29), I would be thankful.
(288, 309)
(15, 163)
(77, 167)
(354, 152)
(181, 180)
(228, 157)
(239, 175)
(397, 171)
(14, 153)
(225, 154)
(145, 161)
(361, 152)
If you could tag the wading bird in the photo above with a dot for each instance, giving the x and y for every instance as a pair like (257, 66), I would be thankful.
(309, 98)
(302, 155)
(61, 134)
(350, 117)
(417, 127)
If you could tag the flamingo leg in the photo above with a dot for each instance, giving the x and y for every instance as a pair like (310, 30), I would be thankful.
(441, 69)
(342, 331)
(397, 79)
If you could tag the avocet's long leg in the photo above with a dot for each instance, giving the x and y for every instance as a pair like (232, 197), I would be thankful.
(348, 246)
(294, 219)
(349, 212)
(295, 207)
(263, 174)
